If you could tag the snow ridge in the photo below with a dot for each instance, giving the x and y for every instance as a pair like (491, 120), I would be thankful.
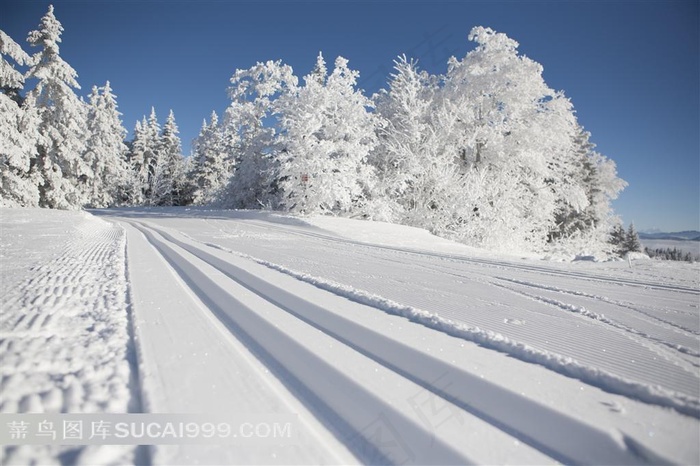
(564, 365)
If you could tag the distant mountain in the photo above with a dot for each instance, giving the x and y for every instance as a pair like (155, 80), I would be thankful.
(690, 235)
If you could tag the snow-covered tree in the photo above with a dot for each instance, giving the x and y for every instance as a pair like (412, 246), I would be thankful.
(507, 123)
(212, 164)
(632, 243)
(106, 150)
(623, 241)
(328, 134)
(589, 227)
(18, 131)
(11, 80)
(415, 172)
(63, 126)
(137, 173)
(143, 158)
(617, 239)
(169, 183)
(251, 137)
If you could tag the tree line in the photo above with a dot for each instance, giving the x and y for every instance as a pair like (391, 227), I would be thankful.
(486, 153)
(671, 254)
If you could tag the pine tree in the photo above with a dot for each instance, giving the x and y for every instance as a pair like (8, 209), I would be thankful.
(253, 143)
(212, 164)
(169, 183)
(106, 151)
(137, 173)
(631, 242)
(65, 173)
(618, 237)
(11, 80)
(598, 177)
(409, 158)
(328, 135)
(18, 132)
(151, 136)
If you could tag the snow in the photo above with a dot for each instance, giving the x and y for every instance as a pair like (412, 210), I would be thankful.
(64, 326)
(389, 344)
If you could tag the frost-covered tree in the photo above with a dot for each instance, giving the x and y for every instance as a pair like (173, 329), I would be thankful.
(589, 227)
(632, 243)
(212, 164)
(137, 173)
(63, 127)
(143, 158)
(11, 80)
(617, 239)
(328, 134)
(18, 131)
(169, 183)
(624, 241)
(509, 126)
(251, 137)
(106, 150)
(414, 169)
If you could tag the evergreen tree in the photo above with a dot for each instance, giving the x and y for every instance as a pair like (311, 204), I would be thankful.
(65, 173)
(588, 227)
(410, 158)
(328, 135)
(106, 151)
(617, 239)
(253, 143)
(137, 173)
(505, 123)
(212, 164)
(18, 132)
(631, 242)
(11, 80)
(151, 136)
(169, 183)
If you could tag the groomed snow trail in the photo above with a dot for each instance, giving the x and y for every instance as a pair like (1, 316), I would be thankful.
(386, 353)
(64, 330)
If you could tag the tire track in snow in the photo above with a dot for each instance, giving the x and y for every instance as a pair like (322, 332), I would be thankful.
(535, 424)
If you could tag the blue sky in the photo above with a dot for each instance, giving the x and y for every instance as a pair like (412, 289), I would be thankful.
(631, 68)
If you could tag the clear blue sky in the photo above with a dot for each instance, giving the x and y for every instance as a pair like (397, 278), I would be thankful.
(631, 68)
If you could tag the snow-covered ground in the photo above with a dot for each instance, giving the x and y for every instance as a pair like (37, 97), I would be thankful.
(64, 333)
(389, 344)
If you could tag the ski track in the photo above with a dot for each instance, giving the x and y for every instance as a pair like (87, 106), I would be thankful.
(376, 348)
(489, 263)
(544, 328)
(64, 338)
(541, 428)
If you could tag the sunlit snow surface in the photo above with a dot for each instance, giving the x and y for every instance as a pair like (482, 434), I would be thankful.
(391, 345)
